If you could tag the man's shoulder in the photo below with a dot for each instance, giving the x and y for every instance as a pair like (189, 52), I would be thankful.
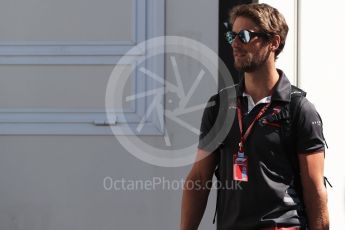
(302, 108)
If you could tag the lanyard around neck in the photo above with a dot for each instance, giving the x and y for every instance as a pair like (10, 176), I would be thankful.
(250, 127)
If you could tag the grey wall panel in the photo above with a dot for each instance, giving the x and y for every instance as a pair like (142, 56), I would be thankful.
(56, 182)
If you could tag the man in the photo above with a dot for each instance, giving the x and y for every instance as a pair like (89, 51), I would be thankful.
(277, 159)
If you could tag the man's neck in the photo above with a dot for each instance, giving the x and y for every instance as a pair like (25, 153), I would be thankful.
(259, 84)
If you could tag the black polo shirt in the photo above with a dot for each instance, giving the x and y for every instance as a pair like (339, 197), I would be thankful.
(272, 196)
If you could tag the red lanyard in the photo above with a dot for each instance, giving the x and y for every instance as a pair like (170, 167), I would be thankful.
(249, 129)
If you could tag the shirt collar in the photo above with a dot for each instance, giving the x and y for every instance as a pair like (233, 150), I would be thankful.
(251, 104)
(281, 90)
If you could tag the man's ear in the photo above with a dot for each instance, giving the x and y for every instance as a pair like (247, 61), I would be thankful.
(275, 42)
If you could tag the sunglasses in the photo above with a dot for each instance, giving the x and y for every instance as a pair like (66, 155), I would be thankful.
(245, 36)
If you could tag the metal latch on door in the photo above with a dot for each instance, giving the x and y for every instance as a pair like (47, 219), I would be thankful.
(106, 122)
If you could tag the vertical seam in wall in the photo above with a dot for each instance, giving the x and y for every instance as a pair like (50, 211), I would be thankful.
(218, 42)
(297, 42)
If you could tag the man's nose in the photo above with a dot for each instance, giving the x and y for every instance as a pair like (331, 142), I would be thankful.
(236, 42)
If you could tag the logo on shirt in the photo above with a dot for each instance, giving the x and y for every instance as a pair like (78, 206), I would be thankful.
(276, 110)
(232, 106)
(316, 123)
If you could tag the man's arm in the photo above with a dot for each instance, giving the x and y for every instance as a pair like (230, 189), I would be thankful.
(196, 190)
(314, 191)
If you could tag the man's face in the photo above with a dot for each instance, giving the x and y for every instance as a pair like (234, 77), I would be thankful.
(249, 57)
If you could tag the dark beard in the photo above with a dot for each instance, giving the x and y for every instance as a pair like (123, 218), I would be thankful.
(249, 66)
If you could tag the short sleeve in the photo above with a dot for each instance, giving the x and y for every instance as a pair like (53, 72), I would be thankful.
(310, 136)
(208, 120)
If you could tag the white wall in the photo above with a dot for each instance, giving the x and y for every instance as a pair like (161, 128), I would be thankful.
(321, 75)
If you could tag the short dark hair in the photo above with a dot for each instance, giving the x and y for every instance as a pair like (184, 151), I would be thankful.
(268, 18)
